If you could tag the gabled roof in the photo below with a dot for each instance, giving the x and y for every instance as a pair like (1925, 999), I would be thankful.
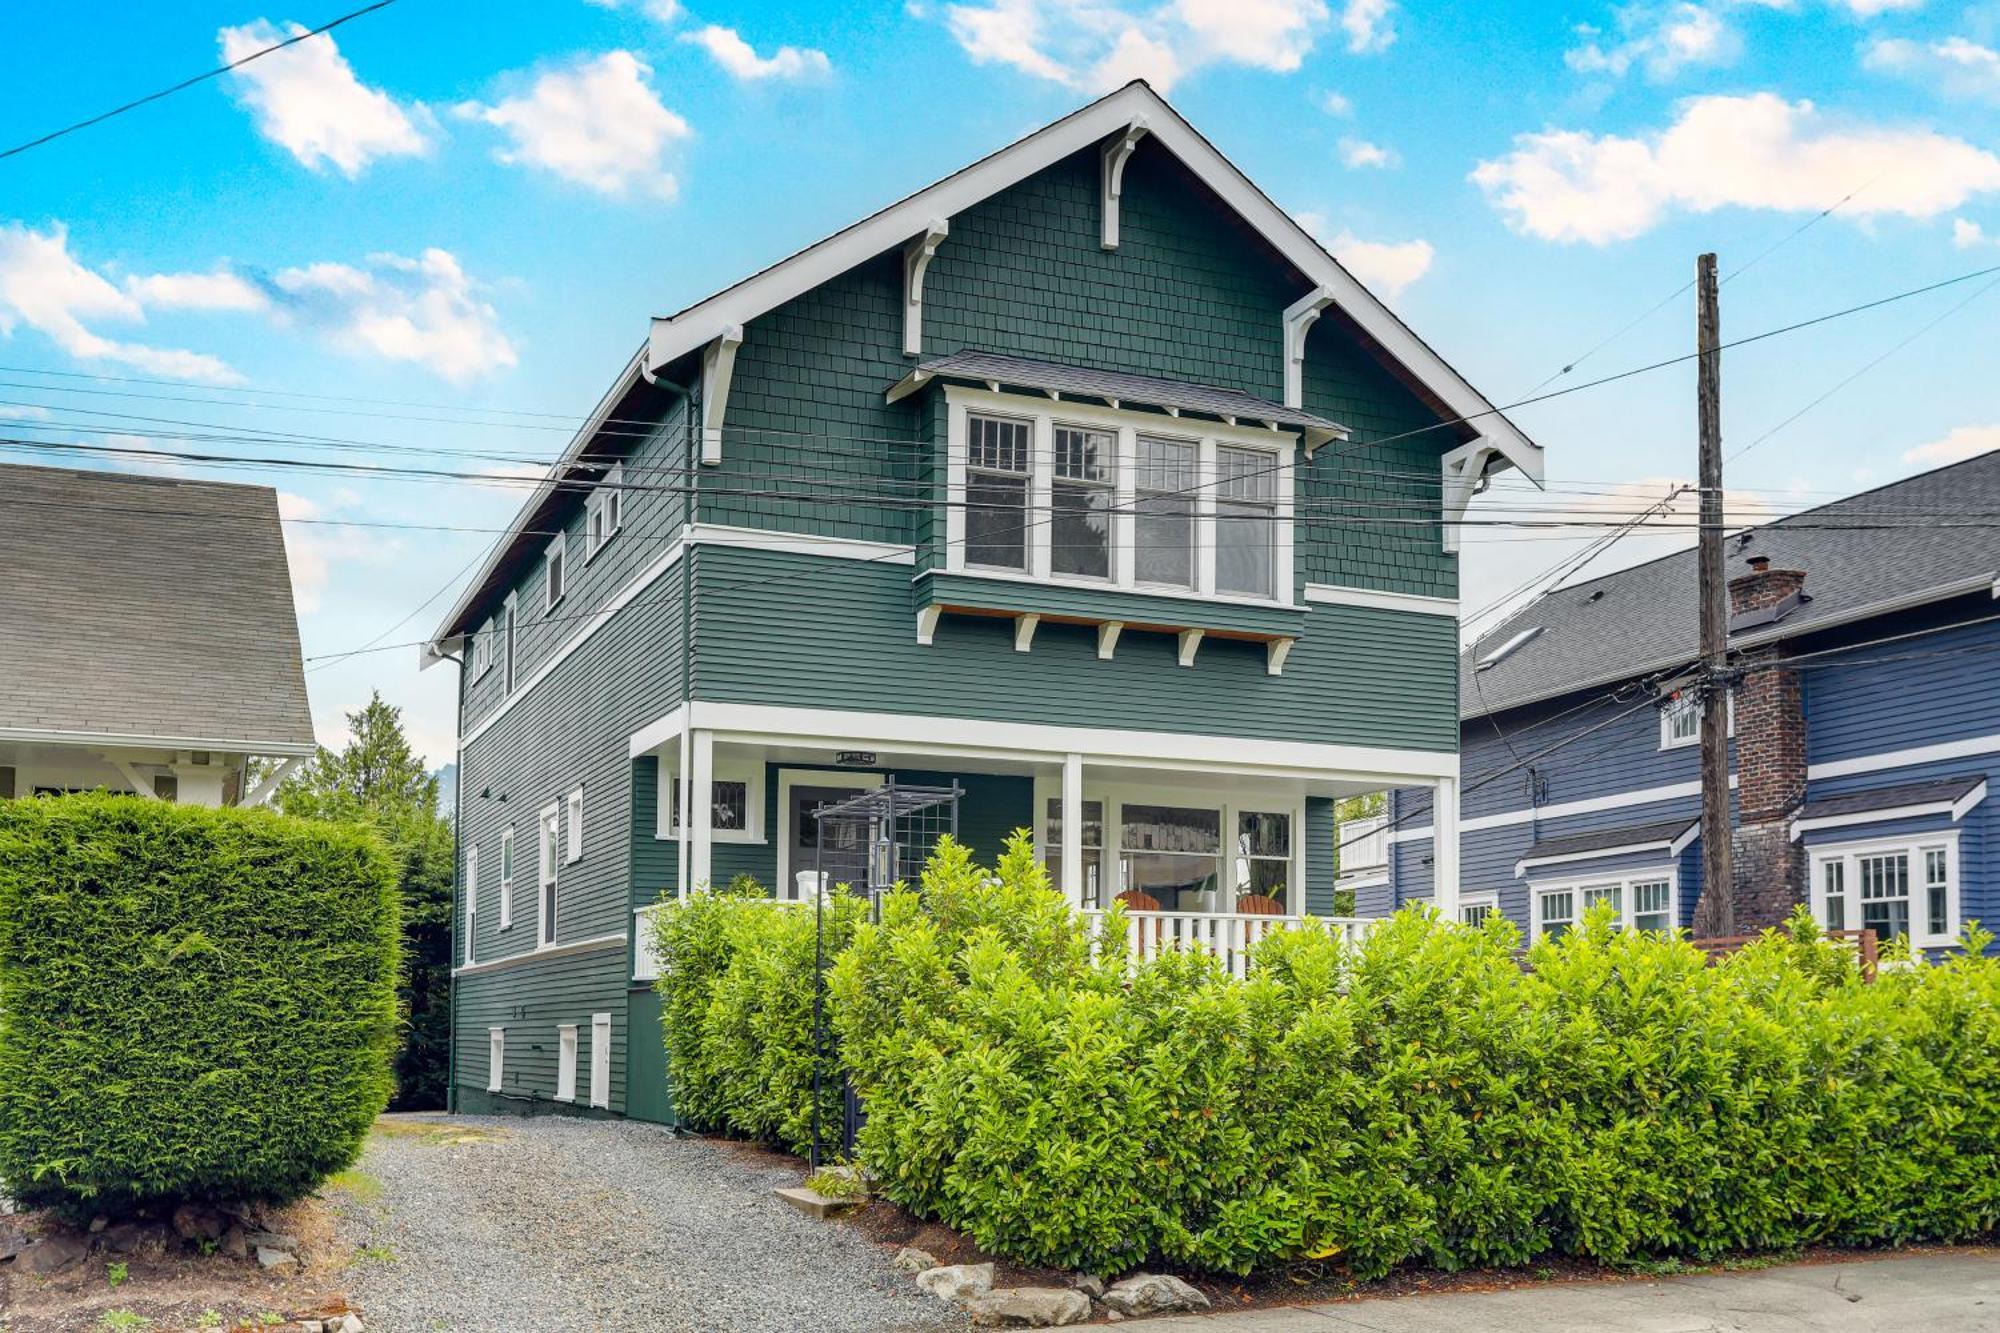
(1870, 554)
(1117, 386)
(679, 335)
(149, 610)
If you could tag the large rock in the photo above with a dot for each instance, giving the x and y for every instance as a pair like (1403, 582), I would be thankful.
(957, 1282)
(53, 1253)
(270, 1257)
(234, 1244)
(276, 1240)
(198, 1222)
(1028, 1307)
(1153, 1293)
(910, 1259)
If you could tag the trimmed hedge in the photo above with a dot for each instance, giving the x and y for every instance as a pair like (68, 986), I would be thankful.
(1420, 1097)
(194, 1003)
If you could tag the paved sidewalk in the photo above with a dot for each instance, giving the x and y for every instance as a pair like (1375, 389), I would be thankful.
(1954, 1291)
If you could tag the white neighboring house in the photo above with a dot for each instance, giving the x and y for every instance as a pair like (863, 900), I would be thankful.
(147, 637)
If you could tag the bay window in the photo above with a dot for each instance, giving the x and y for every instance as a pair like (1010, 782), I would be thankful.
(1898, 888)
(1047, 489)
(1639, 900)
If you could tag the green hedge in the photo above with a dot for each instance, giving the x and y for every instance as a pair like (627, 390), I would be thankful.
(193, 1003)
(1421, 1097)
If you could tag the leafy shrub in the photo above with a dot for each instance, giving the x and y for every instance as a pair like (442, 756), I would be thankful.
(1421, 1095)
(193, 1003)
(736, 986)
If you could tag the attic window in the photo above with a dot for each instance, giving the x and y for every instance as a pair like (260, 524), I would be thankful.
(1507, 649)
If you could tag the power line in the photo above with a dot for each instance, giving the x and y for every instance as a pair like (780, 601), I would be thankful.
(238, 63)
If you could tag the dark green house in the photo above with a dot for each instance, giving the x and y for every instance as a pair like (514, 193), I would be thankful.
(1083, 479)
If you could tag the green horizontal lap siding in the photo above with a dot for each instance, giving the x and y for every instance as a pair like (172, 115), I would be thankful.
(648, 1095)
(531, 1000)
(1050, 599)
(1322, 861)
(807, 631)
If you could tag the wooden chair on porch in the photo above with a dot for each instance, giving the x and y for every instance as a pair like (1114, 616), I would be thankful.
(1145, 932)
(1258, 904)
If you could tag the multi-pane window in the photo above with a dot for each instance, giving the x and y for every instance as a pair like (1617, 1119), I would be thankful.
(1557, 911)
(556, 582)
(1081, 495)
(735, 803)
(1246, 521)
(604, 512)
(1593, 894)
(1652, 905)
(1164, 498)
(1264, 855)
(506, 878)
(997, 476)
(482, 650)
(1893, 889)
(1093, 849)
(471, 900)
(550, 835)
(1474, 911)
(1680, 722)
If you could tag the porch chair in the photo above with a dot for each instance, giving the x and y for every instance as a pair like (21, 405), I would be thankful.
(1258, 904)
(1149, 931)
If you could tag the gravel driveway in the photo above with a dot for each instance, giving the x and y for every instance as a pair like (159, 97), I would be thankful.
(555, 1224)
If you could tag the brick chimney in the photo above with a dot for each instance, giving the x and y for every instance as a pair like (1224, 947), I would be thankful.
(1770, 869)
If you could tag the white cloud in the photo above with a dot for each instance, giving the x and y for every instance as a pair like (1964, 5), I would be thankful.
(45, 288)
(1336, 104)
(1359, 153)
(1756, 151)
(1966, 234)
(307, 100)
(1868, 9)
(1384, 267)
(1368, 26)
(1096, 45)
(1961, 67)
(741, 61)
(424, 311)
(597, 123)
(313, 549)
(219, 290)
(1661, 40)
(22, 412)
(660, 11)
(1955, 446)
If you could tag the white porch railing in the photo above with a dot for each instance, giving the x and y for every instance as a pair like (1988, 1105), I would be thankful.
(1364, 844)
(1230, 936)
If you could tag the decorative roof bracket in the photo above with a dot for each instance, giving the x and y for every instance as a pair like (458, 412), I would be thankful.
(1464, 477)
(917, 256)
(1300, 316)
(1116, 153)
(718, 365)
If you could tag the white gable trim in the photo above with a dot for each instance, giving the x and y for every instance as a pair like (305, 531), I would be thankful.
(677, 335)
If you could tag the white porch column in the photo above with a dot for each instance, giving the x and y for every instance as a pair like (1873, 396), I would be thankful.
(1072, 829)
(697, 828)
(1444, 847)
(682, 786)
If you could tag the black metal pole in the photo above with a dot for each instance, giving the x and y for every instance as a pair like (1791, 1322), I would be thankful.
(819, 956)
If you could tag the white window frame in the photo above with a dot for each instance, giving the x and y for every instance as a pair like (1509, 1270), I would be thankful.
(1668, 741)
(1489, 902)
(482, 651)
(606, 502)
(573, 827)
(496, 1057)
(1912, 845)
(471, 902)
(565, 1062)
(511, 607)
(548, 877)
(1622, 879)
(600, 1060)
(1045, 415)
(1230, 800)
(555, 573)
(507, 878)
(750, 772)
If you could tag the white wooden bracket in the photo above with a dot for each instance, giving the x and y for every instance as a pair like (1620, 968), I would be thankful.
(263, 791)
(927, 619)
(140, 782)
(917, 256)
(1464, 477)
(1190, 645)
(1115, 155)
(1275, 653)
(1024, 632)
(718, 365)
(1300, 316)
(1107, 639)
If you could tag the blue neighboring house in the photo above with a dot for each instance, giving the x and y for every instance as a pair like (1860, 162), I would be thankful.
(1865, 720)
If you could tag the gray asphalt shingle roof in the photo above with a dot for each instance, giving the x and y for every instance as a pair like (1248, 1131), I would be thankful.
(146, 606)
(1940, 791)
(1603, 840)
(1144, 389)
(1892, 545)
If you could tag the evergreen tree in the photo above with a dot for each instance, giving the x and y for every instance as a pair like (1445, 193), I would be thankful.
(376, 779)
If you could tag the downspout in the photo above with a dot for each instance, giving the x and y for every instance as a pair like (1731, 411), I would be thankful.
(458, 874)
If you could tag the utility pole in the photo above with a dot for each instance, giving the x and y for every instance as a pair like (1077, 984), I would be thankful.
(1715, 911)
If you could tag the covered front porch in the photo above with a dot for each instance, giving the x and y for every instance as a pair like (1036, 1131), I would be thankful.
(1207, 842)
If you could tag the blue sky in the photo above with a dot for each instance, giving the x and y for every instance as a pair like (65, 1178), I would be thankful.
(475, 208)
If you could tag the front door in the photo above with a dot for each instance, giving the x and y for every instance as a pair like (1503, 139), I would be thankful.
(838, 849)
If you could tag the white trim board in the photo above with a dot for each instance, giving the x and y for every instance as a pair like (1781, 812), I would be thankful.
(1617, 801)
(1671, 846)
(1956, 809)
(591, 945)
(1970, 747)
(674, 337)
(1334, 594)
(918, 734)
